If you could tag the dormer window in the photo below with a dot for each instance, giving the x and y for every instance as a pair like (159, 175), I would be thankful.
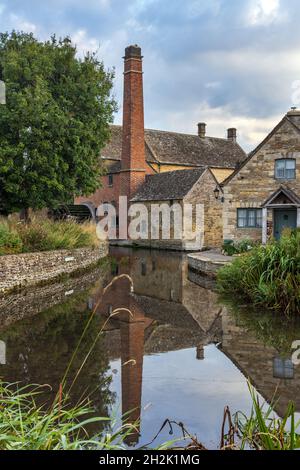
(285, 169)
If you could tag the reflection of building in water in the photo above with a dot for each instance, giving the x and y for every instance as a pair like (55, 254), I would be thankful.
(187, 315)
(263, 365)
(153, 318)
(161, 311)
(131, 323)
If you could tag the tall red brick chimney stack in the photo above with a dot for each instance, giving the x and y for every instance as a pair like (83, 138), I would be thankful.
(133, 165)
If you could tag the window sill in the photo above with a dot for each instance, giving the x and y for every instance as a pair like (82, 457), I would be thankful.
(285, 179)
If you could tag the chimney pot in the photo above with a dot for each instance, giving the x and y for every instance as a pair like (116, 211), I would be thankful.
(202, 129)
(133, 51)
(232, 134)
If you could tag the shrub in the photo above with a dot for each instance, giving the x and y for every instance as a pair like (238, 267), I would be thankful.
(10, 241)
(231, 248)
(268, 275)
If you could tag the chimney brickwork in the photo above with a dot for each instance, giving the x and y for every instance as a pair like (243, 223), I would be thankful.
(133, 166)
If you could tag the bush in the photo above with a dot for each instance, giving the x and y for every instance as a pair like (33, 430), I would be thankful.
(231, 248)
(10, 241)
(44, 235)
(268, 275)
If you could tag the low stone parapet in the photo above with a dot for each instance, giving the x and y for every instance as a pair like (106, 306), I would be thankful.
(29, 269)
(208, 263)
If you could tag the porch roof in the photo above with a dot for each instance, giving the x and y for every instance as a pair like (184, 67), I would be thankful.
(291, 198)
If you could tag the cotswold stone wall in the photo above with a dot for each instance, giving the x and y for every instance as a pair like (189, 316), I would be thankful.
(255, 182)
(29, 269)
(209, 233)
(203, 193)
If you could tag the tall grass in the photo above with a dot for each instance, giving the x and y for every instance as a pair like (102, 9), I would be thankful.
(44, 235)
(24, 425)
(268, 276)
(263, 430)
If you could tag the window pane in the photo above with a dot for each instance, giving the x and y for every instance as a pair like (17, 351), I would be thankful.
(279, 169)
(290, 164)
(242, 218)
(259, 218)
(290, 174)
(280, 164)
(251, 218)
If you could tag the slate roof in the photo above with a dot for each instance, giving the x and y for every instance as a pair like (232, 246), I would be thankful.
(168, 186)
(180, 149)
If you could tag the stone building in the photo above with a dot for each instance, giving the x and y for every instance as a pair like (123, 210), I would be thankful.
(138, 161)
(262, 196)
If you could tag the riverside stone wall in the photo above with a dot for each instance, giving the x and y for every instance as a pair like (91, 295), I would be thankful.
(29, 269)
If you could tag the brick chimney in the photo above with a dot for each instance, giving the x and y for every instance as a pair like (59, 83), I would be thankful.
(232, 134)
(202, 129)
(133, 165)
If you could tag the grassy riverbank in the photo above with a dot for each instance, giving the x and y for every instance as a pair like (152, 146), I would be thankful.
(267, 276)
(45, 235)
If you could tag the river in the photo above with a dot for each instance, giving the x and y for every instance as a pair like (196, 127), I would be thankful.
(164, 347)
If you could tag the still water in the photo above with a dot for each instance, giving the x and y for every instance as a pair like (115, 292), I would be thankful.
(172, 349)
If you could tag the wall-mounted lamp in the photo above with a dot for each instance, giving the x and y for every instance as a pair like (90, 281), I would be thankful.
(217, 194)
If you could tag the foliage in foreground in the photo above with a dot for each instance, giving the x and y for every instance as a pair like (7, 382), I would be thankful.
(24, 425)
(268, 276)
(263, 430)
(44, 235)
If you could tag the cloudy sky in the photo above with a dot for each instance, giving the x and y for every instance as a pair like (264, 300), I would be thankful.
(230, 63)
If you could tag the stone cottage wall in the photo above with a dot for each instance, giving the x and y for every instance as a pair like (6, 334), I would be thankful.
(32, 268)
(203, 193)
(255, 182)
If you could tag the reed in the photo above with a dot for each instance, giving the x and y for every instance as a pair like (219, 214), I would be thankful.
(267, 276)
(25, 425)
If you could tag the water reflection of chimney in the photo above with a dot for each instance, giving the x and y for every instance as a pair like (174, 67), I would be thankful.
(132, 353)
(200, 353)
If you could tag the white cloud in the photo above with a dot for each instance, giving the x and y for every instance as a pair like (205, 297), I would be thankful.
(20, 24)
(84, 43)
(265, 12)
(251, 131)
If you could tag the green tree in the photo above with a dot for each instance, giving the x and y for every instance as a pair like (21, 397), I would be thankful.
(54, 124)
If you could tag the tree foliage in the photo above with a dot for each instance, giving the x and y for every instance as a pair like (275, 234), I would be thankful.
(55, 121)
